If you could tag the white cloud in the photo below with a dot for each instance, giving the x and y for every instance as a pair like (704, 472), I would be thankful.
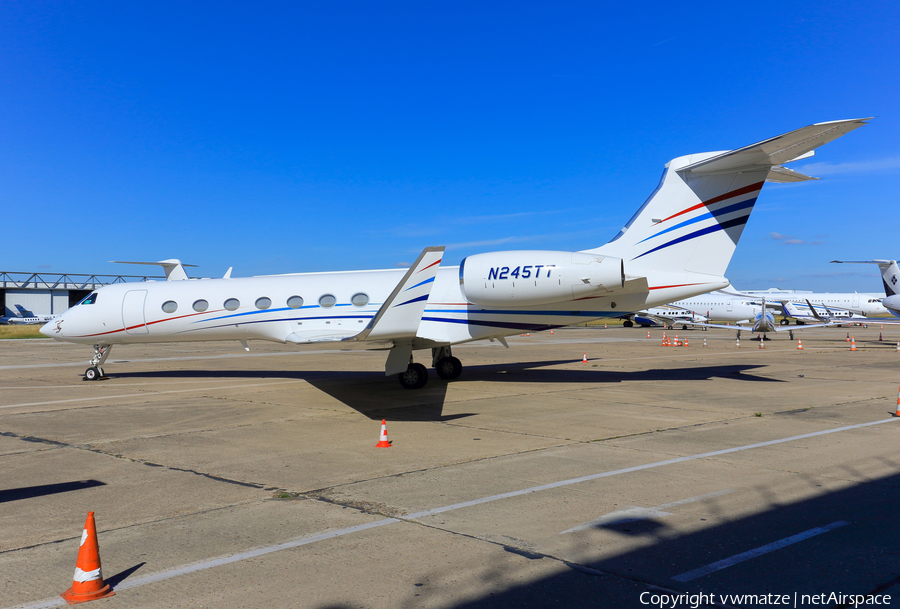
(829, 169)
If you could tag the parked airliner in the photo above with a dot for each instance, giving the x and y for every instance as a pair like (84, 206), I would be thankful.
(678, 244)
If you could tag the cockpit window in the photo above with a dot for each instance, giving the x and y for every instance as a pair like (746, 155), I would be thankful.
(90, 299)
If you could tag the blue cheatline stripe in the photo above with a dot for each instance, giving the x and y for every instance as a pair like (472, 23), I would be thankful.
(418, 284)
(705, 216)
(265, 321)
(502, 312)
(703, 231)
(315, 306)
(494, 324)
(419, 299)
(737, 206)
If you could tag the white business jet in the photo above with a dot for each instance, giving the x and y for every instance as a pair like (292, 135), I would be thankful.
(678, 244)
(26, 317)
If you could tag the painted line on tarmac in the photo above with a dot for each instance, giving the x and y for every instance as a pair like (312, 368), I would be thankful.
(224, 560)
(769, 547)
(148, 394)
(185, 358)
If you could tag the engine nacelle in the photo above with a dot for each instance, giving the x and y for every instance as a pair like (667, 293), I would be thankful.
(535, 277)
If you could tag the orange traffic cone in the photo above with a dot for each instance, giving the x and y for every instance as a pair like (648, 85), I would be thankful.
(853, 343)
(584, 359)
(879, 337)
(799, 345)
(528, 334)
(604, 326)
(897, 414)
(551, 331)
(87, 585)
(686, 342)
(762, 344)
(648, 333)
(848, 337)
(383, 441)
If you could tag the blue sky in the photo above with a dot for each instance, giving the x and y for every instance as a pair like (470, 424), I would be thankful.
(288, 137)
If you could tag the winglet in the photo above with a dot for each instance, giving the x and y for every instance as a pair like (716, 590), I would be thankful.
(401, 313)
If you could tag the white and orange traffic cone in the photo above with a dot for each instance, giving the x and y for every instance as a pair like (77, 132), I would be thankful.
(762, 344)
(897, 414)
(604, 326)
(648, 333)
(737, 344)
(551, 331)
(848, 337)
(879, 337)
(584, 359)
(853, 343)
(528, 334)
(383, 441)
(799, 345)
(686, 342)
(87, 585)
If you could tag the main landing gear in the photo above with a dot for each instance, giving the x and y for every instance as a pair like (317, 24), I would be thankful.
(446, 366)
(95, 372)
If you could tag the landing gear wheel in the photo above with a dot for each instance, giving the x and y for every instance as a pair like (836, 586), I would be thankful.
(627, 323)
(785, 322)
(683, 326)
(415, 377)
(92, 374)
(448, 368)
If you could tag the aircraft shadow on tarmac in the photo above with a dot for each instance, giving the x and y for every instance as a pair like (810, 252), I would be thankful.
(859, 556)
(30, 492)
(377, 397)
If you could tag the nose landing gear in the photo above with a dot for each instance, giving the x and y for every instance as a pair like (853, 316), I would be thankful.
(95, 372)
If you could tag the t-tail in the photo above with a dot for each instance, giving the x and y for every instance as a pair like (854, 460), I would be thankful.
(890, 273)
(693, 220)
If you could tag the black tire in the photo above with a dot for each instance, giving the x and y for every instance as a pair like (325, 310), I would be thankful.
(683, 326)
(628, 323)
(92, 374)
(415, 377)
(448, 368)
(785, 322)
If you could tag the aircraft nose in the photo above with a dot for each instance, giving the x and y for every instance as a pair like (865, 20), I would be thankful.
(48, 329)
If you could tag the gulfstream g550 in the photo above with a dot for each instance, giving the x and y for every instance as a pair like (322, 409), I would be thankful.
(678, 244)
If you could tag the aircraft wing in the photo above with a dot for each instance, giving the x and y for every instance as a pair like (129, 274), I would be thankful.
(401, 313)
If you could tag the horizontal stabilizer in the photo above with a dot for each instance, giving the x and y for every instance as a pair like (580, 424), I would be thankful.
(174, 268)
(780, 149)
(401, 313)
(782, 175)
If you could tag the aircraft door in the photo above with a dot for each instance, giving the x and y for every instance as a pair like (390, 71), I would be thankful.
(728, 306)
(133, 312)
(856, 301)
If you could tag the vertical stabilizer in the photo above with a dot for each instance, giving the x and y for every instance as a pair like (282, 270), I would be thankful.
(693, 220)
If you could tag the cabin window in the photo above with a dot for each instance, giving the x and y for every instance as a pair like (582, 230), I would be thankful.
(90, 298)
(232, 304)
(295, 302)
(200, 305)
(263, 303)
(327, 300)
(360, 299)
(170, 306)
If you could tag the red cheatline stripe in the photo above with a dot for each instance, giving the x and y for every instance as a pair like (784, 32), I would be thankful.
(680, 285)
(149, 323)
(430, 265)
(727, 195)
